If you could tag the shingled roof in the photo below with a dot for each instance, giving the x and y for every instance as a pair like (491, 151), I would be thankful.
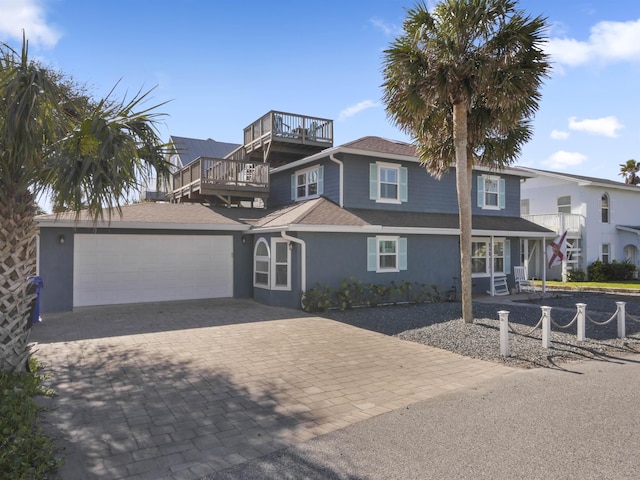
(382, 145)
(191, 148)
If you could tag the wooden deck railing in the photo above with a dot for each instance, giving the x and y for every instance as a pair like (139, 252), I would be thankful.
(226, 174)
(289, 127)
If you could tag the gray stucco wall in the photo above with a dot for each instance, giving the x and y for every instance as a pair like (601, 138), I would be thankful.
(56, 263)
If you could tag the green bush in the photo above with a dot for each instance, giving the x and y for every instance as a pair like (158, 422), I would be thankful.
(25, 453)
(352, 293)
(608, 272)
(576, 276)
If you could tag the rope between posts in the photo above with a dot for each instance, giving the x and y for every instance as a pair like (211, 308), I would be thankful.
(513, 330)
(564, 326)
(615, 314)
(635, 319)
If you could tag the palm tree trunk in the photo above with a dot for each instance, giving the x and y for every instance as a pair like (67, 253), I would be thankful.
(463, 186)
(17, 263)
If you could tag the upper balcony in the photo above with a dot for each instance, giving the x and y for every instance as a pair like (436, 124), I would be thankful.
(559, 222)
(230, 181)
(288, 135)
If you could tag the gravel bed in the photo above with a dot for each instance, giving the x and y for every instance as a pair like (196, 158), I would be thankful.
(440, 325)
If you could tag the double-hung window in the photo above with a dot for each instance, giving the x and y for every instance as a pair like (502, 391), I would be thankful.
(272, 264)
(604, 208)
(388, 183)
(481, 256)
(491, 192)
(308, 183)
(605, 253)
(386, 254)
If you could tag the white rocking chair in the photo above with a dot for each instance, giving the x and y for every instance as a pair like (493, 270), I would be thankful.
(523, 284)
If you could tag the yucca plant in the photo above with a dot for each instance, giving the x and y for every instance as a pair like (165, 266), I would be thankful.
(55, 140)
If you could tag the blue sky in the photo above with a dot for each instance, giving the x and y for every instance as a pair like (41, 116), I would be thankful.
(223, 64)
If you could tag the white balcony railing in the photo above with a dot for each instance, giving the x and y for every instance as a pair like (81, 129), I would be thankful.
(559, 222)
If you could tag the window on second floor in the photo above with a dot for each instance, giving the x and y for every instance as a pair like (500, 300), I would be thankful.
(481, 258)
(564, 204)
(388, 183)
(308, 183)
(604, 208)
(491, 192)
(524, 206)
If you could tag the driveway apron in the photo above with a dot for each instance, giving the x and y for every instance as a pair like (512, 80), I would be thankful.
(181, 390)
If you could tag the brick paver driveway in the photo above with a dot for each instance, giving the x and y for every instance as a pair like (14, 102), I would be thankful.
(185, 389)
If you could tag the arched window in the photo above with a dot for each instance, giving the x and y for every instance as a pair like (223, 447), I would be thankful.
(261, 262)
(604, 208)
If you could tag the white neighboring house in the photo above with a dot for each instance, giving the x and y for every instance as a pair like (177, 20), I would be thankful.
(602, 217)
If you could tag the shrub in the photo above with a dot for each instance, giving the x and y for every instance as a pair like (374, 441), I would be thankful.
(24, 451)
(576, 276)
(318, 299)
(607, 272)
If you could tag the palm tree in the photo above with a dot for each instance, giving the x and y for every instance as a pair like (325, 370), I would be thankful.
(463, 82)
(629, 171)
(56, 141)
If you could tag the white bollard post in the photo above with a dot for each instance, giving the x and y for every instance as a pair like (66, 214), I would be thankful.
(582, 323)
(621, 326)
(504, 332)
(546, 327)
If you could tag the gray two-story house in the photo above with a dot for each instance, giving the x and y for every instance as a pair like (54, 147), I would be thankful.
(366, 209)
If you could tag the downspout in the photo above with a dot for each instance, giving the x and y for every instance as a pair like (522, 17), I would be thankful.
(341, 165)
(303, 262)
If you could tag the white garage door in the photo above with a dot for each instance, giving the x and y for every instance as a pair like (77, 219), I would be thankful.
(111, 269)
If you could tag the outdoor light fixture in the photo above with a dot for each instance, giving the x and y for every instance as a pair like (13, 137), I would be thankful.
(61, 239)
(244, 239)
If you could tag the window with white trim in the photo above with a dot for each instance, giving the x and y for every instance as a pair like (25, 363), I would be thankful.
(481, 258)
(564, 204)
(308, 183)
(261, 264)
(604, 208)
(281, 262)
(605, 253)
(388, 183)
(386, 254)
(272, 264)
(491, 192)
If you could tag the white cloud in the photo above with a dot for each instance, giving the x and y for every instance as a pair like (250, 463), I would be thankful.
(27, 15)
(357, 108)
(390, 30)
(607, 126)
(608, 42)
(562, 160)
(559, 135)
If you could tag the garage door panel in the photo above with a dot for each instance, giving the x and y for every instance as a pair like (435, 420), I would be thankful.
(112, 269)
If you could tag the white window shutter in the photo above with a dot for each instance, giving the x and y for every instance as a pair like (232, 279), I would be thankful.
(372, 254)
(373, 181)
(501, 198)
(321, 180)
(402, 253)
(404, 181)
(480, 191)
(293, 186)
(507, 256)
